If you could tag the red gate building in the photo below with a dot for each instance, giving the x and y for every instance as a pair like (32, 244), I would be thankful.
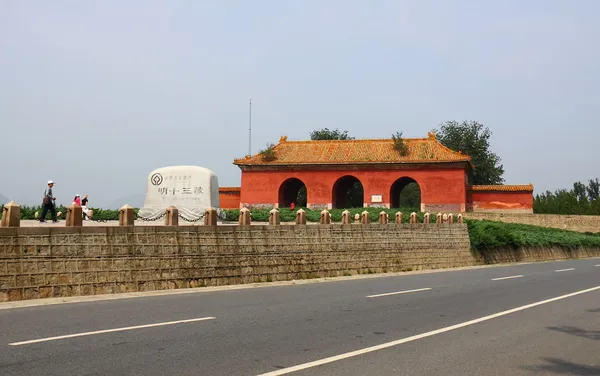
(327, 170)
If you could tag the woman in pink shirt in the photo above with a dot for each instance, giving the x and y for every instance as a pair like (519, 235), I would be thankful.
(77, 199)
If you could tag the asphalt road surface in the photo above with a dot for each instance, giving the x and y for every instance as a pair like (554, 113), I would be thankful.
(531, 319)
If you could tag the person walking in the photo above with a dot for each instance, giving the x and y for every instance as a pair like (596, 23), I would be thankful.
(48, 204)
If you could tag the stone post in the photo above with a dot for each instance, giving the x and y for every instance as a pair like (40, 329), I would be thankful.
(346, 217)
(74, 216)
(450, 218)
(357, 218)
(398, 218)
(413, 217)
(325, 217)
(11, 215)
(427, 218)
(364, 217)
(438, 219)
(210, 217)
(172, 216)
(244, 219)
(301, 217)
(383, 218)
(126, 216)
(445, 218)
(274, 218)
(460, 218)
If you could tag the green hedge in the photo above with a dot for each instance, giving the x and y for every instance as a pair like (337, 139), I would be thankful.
(28, 212)
(258, 215)
(288, 215)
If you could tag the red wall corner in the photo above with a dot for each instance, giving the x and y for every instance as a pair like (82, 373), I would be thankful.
(499, 201)
(229, 197)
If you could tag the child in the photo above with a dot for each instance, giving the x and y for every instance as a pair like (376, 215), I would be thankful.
(84, 208)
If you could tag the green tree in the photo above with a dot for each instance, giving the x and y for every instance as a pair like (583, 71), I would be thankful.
(593, 189)
(329, 134)
(473, 139)
(301, 197)
(354, 195)
(410, 197)
(582, 199)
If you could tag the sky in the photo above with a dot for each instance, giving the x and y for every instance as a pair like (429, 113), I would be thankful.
(97, 94)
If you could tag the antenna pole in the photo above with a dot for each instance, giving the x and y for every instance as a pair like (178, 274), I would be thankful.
(250, 128)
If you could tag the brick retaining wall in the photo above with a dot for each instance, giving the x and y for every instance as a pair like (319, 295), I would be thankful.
(53, 262)
(62, 261)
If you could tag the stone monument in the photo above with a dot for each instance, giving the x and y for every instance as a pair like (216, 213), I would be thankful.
(191, 189)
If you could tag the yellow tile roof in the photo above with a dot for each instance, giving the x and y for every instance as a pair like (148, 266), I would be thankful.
(503, 188)
(356, 151)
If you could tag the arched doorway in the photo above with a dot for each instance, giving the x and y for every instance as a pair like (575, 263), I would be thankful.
(405, 193)
(348, 192)
(292, 190)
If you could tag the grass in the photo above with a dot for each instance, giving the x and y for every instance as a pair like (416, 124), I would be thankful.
(489, 235)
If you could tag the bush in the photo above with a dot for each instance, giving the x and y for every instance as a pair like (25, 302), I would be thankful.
(288, 215)
(258, 215)
(399, 144)
(268, 154)
(28, 213)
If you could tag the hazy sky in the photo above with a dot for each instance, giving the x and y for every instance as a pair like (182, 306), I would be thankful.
(96, 94)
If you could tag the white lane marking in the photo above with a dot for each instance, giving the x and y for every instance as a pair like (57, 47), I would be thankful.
(351, 354)
(109, 331)
(597, 265)
(511, 277)
(398, 292)
(564, 270)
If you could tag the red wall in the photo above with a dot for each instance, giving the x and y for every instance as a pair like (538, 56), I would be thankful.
(441, 189)
(229, 198)
(495, 201)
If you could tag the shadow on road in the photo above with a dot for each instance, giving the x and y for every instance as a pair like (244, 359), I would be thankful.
(597, 310)
(563, 367)
(578, 332)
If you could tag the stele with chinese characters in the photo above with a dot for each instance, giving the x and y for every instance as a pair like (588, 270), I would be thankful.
(191, 189)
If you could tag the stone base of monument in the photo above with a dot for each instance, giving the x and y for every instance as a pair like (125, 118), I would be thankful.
(186, 214)
(190, 189)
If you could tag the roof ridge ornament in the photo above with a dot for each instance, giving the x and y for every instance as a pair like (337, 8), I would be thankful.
(282, 139)
(431, 135)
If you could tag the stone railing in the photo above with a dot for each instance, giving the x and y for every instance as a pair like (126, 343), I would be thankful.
(11, 217)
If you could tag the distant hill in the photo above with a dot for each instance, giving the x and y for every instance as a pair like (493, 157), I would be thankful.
(137, 201)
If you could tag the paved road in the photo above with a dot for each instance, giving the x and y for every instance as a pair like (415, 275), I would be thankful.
(533, 319)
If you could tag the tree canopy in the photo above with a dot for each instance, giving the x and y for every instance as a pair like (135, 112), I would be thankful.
(329, 134)
(473, 139)
(582, 199)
